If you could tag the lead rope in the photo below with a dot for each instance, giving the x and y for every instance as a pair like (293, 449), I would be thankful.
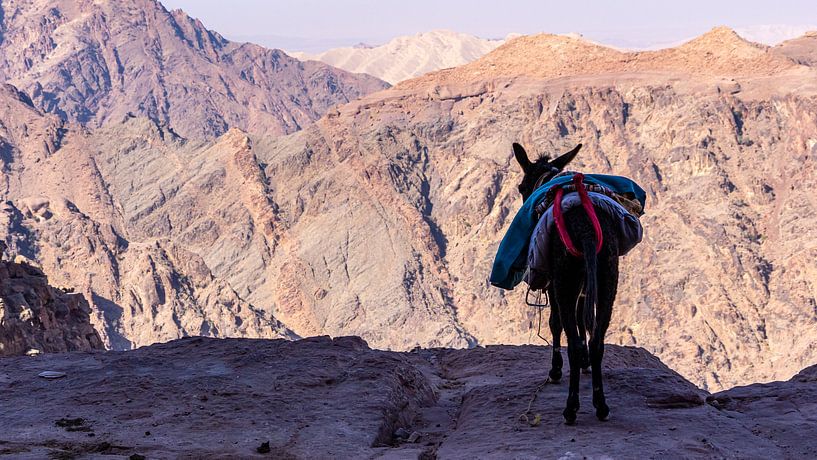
(524, 417)
(537, 303)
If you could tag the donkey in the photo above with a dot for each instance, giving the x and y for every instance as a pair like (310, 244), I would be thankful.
(595, 276)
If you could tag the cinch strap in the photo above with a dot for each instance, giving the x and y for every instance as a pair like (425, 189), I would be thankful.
(578, 180)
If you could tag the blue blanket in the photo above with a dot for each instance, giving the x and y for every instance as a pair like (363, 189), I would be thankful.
(512, 255)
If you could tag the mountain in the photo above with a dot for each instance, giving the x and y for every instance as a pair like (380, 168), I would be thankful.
(802, 49)
(337, 398)
(407, 56)
(382, 218)
(718, 130)
(719, 52)
(60, 211)
(94, 62)
(37, 317)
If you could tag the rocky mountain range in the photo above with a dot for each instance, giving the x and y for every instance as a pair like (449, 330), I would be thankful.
(95, 62)
(407, 56)
(381, 219)
(337, 398)
(719, 131)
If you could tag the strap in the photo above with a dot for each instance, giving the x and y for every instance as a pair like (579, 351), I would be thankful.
(560, 224)
(589, 209)
(587, 204)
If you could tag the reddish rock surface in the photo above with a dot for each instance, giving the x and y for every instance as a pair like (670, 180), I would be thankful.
(37, 317)
(325, 398)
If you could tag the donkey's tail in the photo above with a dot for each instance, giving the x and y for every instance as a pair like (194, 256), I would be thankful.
(590, 284)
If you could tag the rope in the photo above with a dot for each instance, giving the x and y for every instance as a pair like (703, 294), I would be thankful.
(539, 305)
(587, 204)
(524, 417)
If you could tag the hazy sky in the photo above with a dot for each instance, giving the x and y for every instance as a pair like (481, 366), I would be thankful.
(311, 25)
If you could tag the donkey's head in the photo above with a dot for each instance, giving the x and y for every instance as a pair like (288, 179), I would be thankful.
(540, 171)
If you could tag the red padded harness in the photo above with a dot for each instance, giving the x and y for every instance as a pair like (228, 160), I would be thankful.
(578, 180)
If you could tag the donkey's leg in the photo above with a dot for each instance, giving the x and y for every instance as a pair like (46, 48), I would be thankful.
(596, 357)
(583, 335)
(555, 323)
(566, 298)
(607, 295)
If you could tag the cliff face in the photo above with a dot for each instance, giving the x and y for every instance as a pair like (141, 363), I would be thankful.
(321, 397)
(37, 316)
(62, 212)
(94, 62)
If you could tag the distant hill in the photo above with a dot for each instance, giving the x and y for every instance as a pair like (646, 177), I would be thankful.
(408, 56)
(802, 49)
(718, 52)
(94, 62)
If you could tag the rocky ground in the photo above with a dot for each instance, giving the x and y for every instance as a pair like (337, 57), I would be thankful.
(337, 398)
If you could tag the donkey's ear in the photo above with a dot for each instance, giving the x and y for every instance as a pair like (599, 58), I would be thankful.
(521, 157)
(563, 160)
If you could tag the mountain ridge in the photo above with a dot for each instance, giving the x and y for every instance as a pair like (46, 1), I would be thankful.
(718, 52)
(407, 56)
(95, 62)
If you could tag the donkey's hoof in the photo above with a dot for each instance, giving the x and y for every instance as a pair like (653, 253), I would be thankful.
(555, 375)
(570, 416)
(603, 413)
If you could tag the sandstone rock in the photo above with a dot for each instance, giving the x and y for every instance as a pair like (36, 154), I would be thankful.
(61, 213)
